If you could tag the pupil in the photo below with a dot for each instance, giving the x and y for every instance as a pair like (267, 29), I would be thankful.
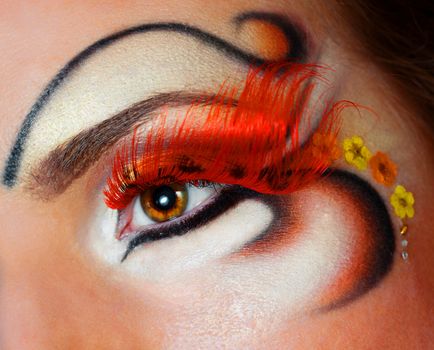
(164, 198)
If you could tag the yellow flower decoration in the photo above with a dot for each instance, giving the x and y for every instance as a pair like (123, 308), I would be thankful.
(356, 153)
(402, 201)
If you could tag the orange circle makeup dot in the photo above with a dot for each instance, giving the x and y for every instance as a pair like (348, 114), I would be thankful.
(266, 39)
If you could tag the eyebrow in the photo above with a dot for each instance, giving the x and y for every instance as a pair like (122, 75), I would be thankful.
(70, 160)
(295, 36)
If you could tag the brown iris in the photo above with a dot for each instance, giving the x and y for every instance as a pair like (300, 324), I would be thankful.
(164, 202)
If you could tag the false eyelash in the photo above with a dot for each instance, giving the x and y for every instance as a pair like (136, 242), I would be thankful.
(252, 140)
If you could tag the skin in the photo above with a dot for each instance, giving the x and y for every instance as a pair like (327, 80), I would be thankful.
(56, 292)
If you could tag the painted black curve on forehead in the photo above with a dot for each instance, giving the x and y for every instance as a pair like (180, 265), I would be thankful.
(293, 35)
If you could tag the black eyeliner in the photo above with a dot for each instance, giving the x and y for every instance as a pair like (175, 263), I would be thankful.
(225, 200)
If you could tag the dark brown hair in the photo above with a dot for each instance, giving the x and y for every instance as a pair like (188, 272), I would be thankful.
(398, 35)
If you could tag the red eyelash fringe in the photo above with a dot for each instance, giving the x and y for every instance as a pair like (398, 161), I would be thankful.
(252, 140)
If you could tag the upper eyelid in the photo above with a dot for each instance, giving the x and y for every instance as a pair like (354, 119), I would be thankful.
(291, 31)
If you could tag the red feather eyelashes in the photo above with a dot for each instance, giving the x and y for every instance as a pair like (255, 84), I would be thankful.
(254, 140)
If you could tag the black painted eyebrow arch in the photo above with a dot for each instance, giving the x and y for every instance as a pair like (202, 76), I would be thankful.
(294, 35)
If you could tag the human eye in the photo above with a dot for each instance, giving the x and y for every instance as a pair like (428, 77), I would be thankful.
(166, 203)
(165, 211)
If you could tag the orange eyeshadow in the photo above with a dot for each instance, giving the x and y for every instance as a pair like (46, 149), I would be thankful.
(267, 39)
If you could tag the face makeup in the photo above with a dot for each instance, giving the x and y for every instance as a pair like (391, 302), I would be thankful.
(318, 237)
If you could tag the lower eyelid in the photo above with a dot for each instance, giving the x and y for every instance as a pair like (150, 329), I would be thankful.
(226, 199)
(165, 259)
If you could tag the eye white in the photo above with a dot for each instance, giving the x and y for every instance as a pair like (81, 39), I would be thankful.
(196, 197)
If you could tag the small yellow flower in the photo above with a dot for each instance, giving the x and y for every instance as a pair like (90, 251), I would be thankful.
(356, 153)
(402, 201)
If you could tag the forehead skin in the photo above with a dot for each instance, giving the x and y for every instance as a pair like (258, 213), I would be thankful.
(51, 298)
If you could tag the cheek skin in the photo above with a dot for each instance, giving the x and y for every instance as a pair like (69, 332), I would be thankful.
(50, 298)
